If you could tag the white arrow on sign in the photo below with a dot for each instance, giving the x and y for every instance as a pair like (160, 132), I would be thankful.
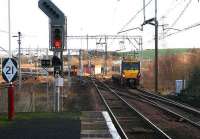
(9, 70)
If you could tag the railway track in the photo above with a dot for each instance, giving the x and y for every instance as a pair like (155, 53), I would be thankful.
(182, 111)
(129, 122)
(169, 101)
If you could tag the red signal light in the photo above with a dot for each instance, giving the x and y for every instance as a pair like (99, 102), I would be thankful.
(57, 43)
(57, 39)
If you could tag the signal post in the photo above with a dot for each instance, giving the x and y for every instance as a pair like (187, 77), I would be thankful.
(57, 44)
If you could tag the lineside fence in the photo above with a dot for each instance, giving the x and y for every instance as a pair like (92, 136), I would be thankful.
(33, 97)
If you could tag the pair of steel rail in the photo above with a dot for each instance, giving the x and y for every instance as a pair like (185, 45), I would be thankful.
(101, 87)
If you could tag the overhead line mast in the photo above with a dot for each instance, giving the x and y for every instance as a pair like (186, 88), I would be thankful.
(154, 22)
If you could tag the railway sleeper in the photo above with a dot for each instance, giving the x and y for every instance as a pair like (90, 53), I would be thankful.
(115, 103)
(103, 88)
(115, 107)
(127, 119)
(112, 99)
(140, 130)
(133, 123)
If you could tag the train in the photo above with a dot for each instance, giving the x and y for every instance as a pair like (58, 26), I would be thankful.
(126, 72)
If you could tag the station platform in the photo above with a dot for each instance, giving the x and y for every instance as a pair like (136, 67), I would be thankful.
(97, 125)
(87, 125)
(40, 126)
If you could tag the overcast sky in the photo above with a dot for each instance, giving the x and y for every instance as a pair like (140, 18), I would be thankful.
(94, 17)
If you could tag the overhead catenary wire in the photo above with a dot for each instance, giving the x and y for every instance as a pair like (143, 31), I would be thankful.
(175, 22)
(132, 18)
(177, 19)
(3, 31)
(170, 9)
(184, 29)
(143, 9)
(24, 35)
(177, 31)
(181, 14)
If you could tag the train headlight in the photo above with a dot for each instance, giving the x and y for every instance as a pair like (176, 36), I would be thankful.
(139, 75)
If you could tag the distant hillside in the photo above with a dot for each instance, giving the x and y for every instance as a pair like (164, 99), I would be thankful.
(149, 53)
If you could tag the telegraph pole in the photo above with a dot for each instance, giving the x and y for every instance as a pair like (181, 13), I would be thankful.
(156, 48)
(88, 56)
(69, 64)
(81, 63)
(19, 58)
(106, 56)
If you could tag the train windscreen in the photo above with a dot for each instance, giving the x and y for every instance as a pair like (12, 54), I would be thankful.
(130, 66)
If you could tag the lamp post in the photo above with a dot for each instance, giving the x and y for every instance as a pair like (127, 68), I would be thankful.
(9, 30)
(11, 111)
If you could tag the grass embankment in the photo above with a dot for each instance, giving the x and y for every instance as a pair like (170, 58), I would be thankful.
(149, 53)
(42, 115)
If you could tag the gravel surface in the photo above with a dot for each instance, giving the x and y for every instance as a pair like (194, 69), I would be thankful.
(82, 96)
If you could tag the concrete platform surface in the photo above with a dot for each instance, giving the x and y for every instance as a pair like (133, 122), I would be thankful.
(42, 129)
(94, 125)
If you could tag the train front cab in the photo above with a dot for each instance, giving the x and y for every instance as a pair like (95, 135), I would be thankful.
(130, 74)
